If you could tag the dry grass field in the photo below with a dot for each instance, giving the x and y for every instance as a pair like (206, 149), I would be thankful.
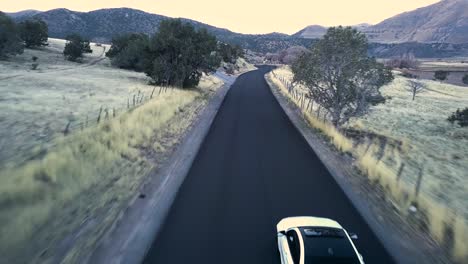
(416, 134)
(51, 184)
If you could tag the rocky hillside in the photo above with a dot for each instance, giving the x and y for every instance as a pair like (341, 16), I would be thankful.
(443, 22)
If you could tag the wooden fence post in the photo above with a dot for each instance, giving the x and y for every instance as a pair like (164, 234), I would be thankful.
(400, 171)
(99, 116)
(418, 183)
(67, 129)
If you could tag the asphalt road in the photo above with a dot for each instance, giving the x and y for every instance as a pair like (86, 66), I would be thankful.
(253, 169)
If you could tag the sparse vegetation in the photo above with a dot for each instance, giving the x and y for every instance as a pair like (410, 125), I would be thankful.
(10, 41)
(339, 74)
(441, 75)
(460, 117)
(34, 33)
(75, 47)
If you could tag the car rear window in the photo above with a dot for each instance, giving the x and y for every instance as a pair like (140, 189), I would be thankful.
(327, 245)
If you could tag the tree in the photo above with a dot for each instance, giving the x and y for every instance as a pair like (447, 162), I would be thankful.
(340, 76)
(441, 75)
(10, 41)
(290, 55)
(75, 47)
(178, 54)
(34, 33)
(415, 86)
(229, 53)
(460, 116)
(129, 51)
(465, 79)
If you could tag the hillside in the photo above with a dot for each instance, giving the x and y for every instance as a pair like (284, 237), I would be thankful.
(101, 25)
(443, 22)
(312, 32)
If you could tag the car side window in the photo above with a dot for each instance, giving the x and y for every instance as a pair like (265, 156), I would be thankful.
(294, 246)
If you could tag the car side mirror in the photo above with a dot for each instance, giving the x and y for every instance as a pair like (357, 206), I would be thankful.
(353, 236)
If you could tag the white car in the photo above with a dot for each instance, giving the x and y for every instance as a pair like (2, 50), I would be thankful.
(307, 240)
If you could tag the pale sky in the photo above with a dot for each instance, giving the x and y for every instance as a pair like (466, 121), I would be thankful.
(245, 16)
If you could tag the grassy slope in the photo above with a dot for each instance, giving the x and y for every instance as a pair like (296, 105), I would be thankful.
(91, 172)
(418, 135)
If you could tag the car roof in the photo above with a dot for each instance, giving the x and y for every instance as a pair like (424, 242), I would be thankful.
(304, 221)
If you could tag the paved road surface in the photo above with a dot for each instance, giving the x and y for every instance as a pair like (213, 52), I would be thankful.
(253, 169)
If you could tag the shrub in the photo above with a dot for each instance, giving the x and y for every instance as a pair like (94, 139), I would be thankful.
(34, 65)
(441, 75)
(10, 41)
(75, 47)
(460, 116)
(34, 33)
(129, 51)
(465, 79)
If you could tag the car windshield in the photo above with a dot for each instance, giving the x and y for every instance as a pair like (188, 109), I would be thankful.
(327, 245)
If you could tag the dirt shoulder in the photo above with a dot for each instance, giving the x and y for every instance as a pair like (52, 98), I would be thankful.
(404, 241)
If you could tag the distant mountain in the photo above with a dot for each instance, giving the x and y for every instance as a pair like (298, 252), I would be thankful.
(443, 22)
(23, 14)
(312, 32)
(317, 31)
(101, 25)
(362, 26)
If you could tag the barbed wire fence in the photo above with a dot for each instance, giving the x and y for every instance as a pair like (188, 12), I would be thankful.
(72, 125)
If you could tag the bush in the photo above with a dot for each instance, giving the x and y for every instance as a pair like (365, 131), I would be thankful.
(129, 51)
(75, 47)
(441, 75)
(34, 33)
(460, 116)
(465, 79)
(178, 54)
(407, 61)
(10, 41)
